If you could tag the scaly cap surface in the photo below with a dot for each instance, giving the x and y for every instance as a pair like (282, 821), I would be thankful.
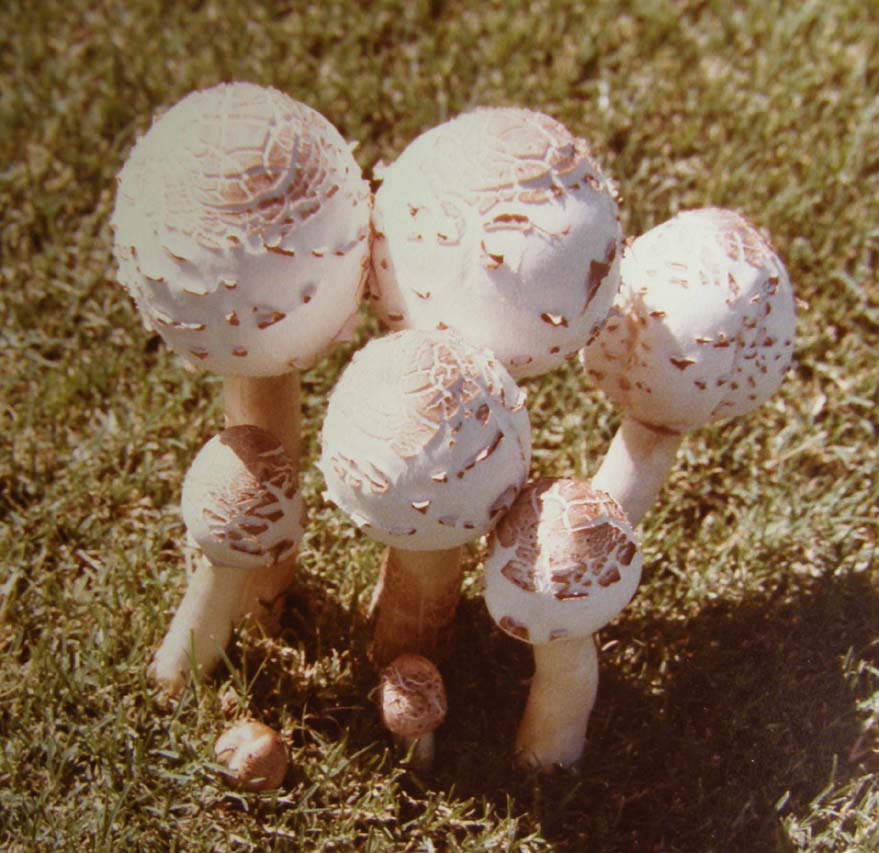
(703, 327)
(412, 697)
(561, 563)
(500, 225)
(426, 440)
(241, 230)
(241, 502)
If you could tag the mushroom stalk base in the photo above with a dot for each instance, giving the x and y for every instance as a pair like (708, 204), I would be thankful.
(272, 403)
(563, 690)
(636, 465)
(201, 627)
(414, 603)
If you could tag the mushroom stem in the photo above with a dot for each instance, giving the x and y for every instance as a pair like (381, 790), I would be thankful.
(414, 603)
(270, 402)
(423, 751)
(563, 690)
(636, 465)
(202, 625)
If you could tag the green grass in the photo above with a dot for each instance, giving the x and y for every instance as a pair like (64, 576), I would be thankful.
(739, 702)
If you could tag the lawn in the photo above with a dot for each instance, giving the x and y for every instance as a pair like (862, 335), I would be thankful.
(738, 708)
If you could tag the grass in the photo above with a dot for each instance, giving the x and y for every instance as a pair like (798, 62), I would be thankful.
(739, 703)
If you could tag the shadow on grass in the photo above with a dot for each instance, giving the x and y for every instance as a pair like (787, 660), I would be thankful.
(706, 731)
(328, 679)
(696, 739)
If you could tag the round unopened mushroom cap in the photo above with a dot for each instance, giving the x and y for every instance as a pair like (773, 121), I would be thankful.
(240, 501)
(500, 225)
(254, 754)
(242, 230)
(426, 440)
(703, 327)
(561, 563)
(412, 697)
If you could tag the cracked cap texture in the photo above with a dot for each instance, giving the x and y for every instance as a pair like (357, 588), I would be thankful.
(241, 229)
(412, 697)
(426, 440)
(241, 502)
(500, 225)
(703, 327)
(561, 563)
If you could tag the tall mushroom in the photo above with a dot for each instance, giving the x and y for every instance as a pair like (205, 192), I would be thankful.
(426, 442)
(242, 232)
(561, 564)
(703, 329)
(242, 507)
(499, 225)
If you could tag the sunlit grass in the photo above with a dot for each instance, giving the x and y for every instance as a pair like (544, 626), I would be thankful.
(739, 699)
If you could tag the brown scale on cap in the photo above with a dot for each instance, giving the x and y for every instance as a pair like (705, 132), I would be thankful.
(598, 272)
(242, 507)
(515, 629)
(741, 241)
(582, 533)
(441, 380)
(261, 164)
(266, 317)
(438, 383)
(363, 477)
(526, 147)
(482, 455)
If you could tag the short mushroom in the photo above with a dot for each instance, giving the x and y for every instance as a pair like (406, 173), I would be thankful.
(500, 225)
(412, 701)
(241, 230)
(254, 755)
(703, 329)
(242, 507)
(426, 442)
(561, 564)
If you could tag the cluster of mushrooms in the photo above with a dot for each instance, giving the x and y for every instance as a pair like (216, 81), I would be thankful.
(492, 251)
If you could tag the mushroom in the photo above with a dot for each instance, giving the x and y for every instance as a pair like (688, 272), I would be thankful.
(254, 755)
(241, 230)
(703, 329)
(242, 507)
(413, 705)
(561, 564)
(426, 442)
(500, 225)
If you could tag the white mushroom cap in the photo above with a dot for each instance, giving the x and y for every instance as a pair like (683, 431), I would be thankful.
(254, 754)
(500, 225)
(242, 230)
(426, 440)
(412, 697)
(703, 326)
(241, 502)
(561, 563)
